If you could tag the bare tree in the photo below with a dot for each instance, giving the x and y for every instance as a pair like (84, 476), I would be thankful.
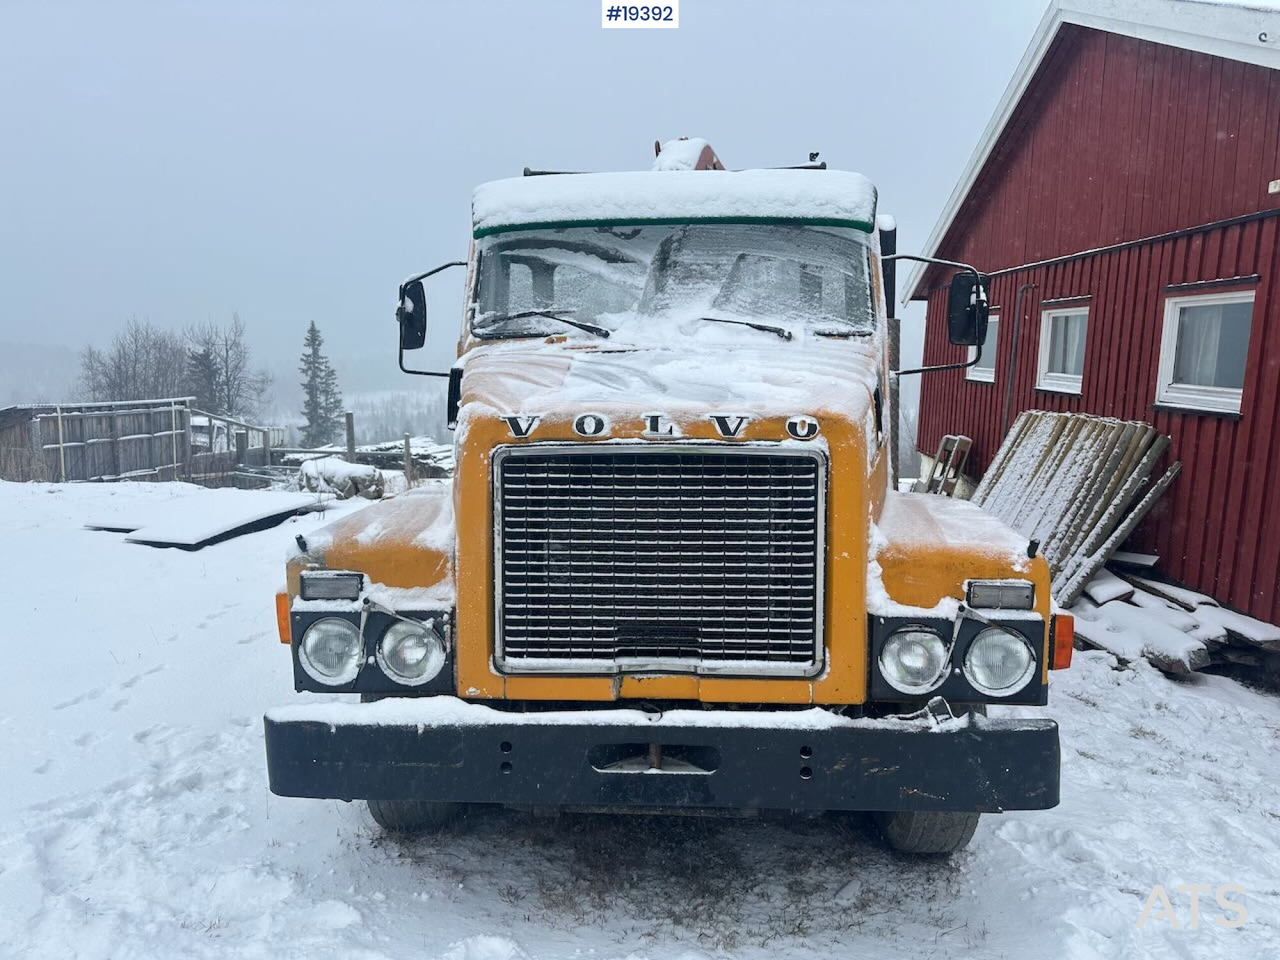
(141, 363)
(220, 366)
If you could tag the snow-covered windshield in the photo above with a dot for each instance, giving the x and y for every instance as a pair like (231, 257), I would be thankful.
(791, 276)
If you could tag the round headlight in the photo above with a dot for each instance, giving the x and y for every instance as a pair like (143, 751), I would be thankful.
(999, 663)
(410, 653)
(331, 651)
(914, 660)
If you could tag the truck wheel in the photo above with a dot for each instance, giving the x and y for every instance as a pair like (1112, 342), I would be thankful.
(930, 831)
(927, 831)
(411, 816)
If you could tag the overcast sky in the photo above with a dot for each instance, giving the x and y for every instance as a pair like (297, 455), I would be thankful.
(293, 161)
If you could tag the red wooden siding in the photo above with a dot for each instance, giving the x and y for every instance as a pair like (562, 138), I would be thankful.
(1118, 140)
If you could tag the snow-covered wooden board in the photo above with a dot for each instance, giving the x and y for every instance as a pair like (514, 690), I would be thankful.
(1130, 632)
(1127, 558)
(1095, 630)
(194, 521)
(1189, 597)
(1255, 632)
(1106, 586)
(1078, 484)
(122, 525)
(131, 506)
(1179, 618)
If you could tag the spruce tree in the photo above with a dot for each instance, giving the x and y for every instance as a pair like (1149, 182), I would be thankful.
(321, 397)
(202, 372)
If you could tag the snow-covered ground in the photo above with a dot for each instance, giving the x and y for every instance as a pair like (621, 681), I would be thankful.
(135, 819)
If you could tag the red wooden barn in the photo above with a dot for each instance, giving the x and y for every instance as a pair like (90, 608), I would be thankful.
(1132, 175)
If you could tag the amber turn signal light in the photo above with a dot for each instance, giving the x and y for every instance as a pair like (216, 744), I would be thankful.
(282, 616)
(1064, 636)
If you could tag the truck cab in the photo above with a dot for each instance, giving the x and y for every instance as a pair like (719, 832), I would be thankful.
(670, 571)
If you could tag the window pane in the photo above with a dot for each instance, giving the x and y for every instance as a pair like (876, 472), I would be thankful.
(1213, 342)
(988, 361)
(1066, 343)
(1233, 347)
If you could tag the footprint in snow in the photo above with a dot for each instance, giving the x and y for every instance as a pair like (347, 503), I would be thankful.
(85, 811)
(138, 678)
(159, 733)
(74, 701)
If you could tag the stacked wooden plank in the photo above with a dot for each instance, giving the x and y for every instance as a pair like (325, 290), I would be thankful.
(1176, 629)
(1078, 484)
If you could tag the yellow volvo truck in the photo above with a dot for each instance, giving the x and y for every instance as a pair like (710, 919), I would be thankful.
(670, 571)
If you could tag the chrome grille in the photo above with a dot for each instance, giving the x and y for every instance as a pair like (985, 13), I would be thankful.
(679, 558)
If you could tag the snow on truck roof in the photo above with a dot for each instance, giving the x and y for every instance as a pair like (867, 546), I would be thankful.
(834, 198)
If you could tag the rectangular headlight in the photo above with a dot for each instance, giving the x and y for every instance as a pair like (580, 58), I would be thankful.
(331, 585)
(1001, 594)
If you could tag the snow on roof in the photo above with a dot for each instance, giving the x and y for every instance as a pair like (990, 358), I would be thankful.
(1244, 30)
(680, 154)
(827, 197)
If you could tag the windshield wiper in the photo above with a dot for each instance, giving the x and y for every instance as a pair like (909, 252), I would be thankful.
(550, 315)
(782, 332)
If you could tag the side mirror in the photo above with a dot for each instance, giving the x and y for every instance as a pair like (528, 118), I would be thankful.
(411, 314)
(967, 308)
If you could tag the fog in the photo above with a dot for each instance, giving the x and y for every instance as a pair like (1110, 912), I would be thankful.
(292, 162)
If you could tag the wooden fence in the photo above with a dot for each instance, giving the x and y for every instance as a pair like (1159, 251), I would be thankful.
(145, 439)
(222, 444)
(128, 440)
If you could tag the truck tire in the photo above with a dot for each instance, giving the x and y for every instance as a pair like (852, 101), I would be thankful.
(411, 816)
(928, 831)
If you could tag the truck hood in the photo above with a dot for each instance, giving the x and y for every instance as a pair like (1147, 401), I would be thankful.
(717, 385)
(688, 381)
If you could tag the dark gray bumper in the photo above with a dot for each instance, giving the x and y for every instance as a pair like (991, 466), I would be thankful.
(383, 753)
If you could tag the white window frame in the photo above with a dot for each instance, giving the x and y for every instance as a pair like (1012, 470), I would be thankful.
(982, 374)
(1187, 395)
(1058, 382)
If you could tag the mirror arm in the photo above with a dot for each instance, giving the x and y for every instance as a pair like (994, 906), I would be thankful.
(432, 272)
(942, 366)
(422, 276)
(419, 373)
(942, 263)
